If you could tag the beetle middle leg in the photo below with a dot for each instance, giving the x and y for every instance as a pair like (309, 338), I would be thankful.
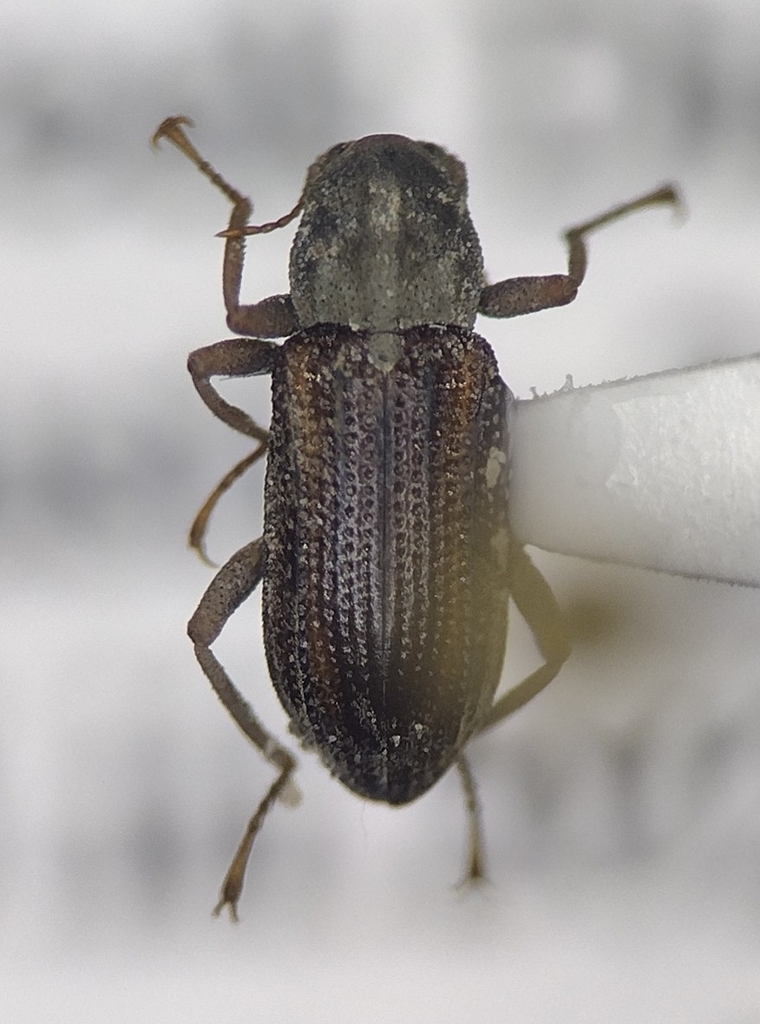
(234, 582)
(519, 295)
(235, 357)
(537, 604)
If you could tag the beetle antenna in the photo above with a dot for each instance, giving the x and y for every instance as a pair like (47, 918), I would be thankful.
(263, 229)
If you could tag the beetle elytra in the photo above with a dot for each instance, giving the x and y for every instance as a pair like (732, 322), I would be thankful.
(386, 559)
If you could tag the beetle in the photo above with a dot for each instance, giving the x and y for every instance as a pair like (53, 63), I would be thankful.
(386, 559)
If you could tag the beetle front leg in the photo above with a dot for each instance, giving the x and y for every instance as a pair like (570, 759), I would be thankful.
(538, 606)
(519, 295)
(235, 582)
(273, 317)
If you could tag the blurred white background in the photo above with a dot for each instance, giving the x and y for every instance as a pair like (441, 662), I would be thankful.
(622, 806)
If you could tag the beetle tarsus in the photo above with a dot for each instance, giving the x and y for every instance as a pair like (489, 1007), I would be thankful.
(232, 886)
(173, 129)
(517, 296)
(476, 871)
(575, 236)
(196, 539)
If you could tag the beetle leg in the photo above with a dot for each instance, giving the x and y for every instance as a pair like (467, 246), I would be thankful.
(273, 317)
(234, 582)
(475, 861)
(519, 295)
(235, 357)
(538, 606)
(196, 538)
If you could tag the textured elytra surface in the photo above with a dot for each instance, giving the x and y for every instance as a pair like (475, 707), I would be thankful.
(386, 543)
(385, 239)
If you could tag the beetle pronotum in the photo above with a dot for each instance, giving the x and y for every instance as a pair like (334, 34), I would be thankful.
(386, 559)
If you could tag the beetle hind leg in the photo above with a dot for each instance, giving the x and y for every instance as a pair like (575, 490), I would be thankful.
(234, 582)
(232, 886)
(475, 858)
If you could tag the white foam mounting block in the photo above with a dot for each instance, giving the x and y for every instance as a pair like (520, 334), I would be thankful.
(661, 471)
